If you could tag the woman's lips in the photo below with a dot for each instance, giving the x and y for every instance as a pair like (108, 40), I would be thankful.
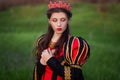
(59, 29)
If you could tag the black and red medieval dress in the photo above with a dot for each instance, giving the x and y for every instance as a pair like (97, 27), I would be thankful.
(67, 64)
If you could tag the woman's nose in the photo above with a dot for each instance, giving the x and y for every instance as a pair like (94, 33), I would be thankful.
(59, 24)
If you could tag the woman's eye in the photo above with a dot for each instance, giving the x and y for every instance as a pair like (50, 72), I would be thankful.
(63, 19)
(54, 20)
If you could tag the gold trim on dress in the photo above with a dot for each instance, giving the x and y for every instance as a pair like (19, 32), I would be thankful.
(35, 74)
(76, 66)
(67, 73)
(67, 70)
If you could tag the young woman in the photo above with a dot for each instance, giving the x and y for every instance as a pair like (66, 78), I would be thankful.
(60, 55)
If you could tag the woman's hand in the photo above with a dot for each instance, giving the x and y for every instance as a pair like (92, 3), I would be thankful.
(42, 61)
(46, 55)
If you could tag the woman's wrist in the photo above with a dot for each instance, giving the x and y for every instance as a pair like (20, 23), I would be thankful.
(42, 62)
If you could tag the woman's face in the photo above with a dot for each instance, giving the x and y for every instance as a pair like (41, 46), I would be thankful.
(58, 22)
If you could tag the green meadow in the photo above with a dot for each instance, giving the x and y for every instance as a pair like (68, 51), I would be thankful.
(20, 26)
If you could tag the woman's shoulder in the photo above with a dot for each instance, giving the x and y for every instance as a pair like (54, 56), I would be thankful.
(77, 39)
(78, 42)
(40, 38)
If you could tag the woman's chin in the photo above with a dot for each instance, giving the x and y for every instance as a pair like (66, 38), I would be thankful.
(59, 32)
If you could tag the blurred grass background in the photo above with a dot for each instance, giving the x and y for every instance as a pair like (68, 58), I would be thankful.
(20, 27)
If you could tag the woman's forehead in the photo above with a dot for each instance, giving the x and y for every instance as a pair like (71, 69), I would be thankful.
(58, 15)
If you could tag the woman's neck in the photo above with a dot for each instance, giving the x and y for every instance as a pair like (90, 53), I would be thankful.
(56, 37)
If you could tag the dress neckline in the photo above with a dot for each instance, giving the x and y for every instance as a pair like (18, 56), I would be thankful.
(52, 44)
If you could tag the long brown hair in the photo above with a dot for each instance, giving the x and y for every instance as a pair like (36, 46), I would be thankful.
(43, 40)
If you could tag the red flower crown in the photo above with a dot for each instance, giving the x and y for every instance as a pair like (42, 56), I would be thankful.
(59, 4)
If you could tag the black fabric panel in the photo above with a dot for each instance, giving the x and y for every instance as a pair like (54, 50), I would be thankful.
(56, 66)
(33, 74)
(88, 54)
(69, 47)
(40, 70)
(80, 49)
(54, 76)
(76, 74)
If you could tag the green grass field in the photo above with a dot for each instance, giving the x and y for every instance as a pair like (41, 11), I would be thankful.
(20, 27)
